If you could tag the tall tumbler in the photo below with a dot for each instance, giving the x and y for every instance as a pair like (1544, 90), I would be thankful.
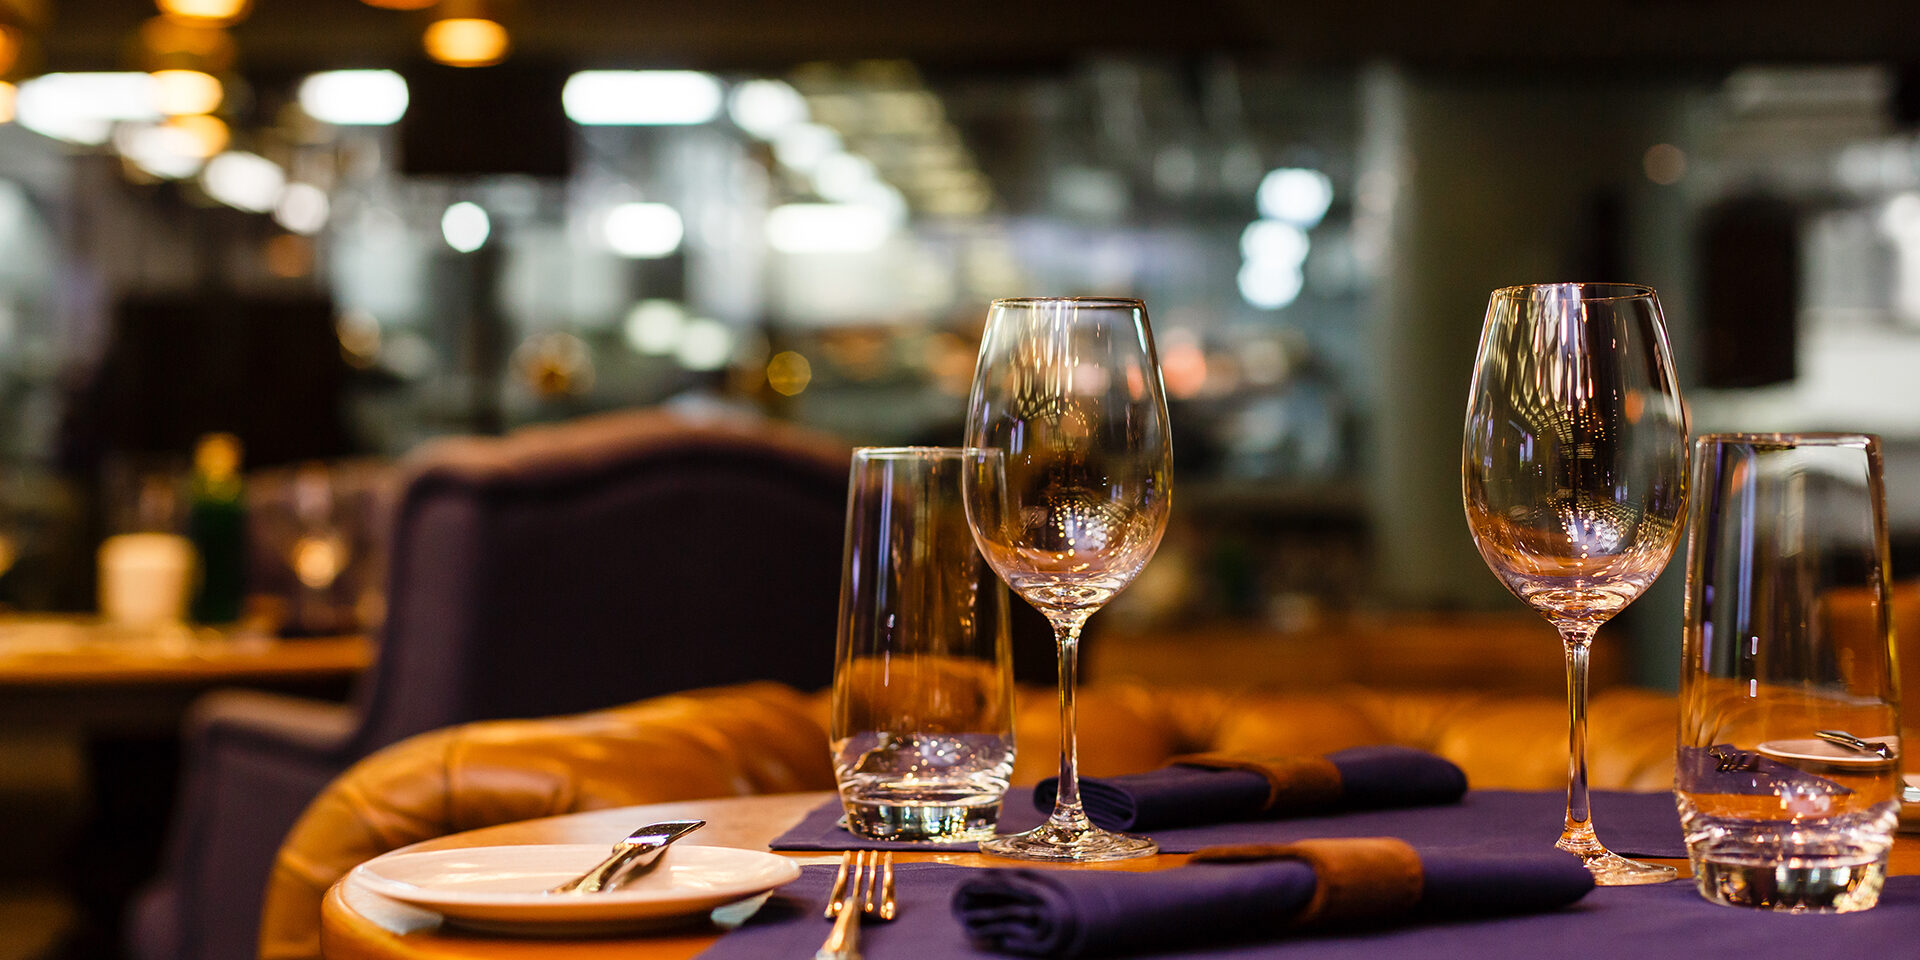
(922, 724)
(1787, 772)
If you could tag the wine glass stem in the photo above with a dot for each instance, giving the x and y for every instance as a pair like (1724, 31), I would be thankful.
(1067, 811)
(1578, 836)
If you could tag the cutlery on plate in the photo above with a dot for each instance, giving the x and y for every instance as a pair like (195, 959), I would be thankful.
(864, 885)
(631, 857)
(1845, 739)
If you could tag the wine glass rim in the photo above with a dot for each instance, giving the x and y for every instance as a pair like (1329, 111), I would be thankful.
(919, 453)
(1076, 301)
(1588, 291)
(1813, 438)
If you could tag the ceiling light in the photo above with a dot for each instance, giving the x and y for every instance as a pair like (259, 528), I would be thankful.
(1269, 287)
(465, 226)
(82, 107)
(827, 228)
(211, 11)
(763, 108)
(196, 44)
(641, 97)
(1272, 243)
(181, 92)
(355, 97)
(1295, 195)
(244, 181)
(466, 42)
(644, 230)
(9, 97)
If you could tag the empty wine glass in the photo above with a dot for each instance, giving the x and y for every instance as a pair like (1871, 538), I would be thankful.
(1574, 477)
(1069, 390)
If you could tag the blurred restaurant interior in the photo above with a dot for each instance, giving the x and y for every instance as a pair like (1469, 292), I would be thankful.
(338, 229)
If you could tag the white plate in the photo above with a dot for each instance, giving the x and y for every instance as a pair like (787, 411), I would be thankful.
(1820, 751)
(503, 889)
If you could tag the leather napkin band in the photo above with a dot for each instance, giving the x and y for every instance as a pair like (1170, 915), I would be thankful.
(1294, 784)
(1361, 878)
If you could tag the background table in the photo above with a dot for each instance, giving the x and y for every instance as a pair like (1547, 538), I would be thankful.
(357, 925)
(90, 719)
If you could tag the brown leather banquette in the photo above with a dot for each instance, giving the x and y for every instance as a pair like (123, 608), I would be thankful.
(767, 738)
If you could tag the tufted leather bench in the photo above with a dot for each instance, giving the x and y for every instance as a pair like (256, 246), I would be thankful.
(768, 738)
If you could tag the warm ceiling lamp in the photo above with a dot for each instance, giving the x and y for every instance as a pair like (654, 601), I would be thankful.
(466, 42)
(207, 135)
(9, 95)
(208, 11)
(9, 48)
(169, 42)
(178, 92)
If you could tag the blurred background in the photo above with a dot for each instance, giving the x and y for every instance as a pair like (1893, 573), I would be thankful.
(334, 229)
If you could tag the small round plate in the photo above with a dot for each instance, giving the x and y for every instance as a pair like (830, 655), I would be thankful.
(503, 889)
(1815, 750)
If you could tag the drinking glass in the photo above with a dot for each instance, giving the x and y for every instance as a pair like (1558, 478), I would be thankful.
(1068, 390)
(1574, 478)
(1788, 769)
(922, 725)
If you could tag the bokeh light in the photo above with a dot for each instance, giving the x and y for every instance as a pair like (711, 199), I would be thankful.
(466, 42)
(465, 226)
(789, 373)
(644, 230)
(209, 11)
(182, 92)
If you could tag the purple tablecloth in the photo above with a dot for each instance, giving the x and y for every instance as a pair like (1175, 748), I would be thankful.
(1634, 824)
(1661, 922)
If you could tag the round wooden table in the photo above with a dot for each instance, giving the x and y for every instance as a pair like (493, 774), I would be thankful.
(358, 925)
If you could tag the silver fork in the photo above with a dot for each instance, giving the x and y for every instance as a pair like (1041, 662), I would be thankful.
(864, 885)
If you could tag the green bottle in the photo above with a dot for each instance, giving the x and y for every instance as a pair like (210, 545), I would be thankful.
(217, 525)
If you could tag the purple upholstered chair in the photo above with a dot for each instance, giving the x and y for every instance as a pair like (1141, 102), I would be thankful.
(556, 570)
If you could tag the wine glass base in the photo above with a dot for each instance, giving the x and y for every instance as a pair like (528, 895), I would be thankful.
(1613, 870)
(1088, 844)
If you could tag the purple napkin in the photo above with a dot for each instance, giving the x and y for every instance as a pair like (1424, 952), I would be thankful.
(1087, 913)
(1667, 921)
(1180, 795)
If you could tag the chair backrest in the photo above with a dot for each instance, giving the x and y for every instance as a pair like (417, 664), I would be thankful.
(605, 560)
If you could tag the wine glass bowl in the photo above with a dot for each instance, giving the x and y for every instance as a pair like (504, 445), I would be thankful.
(1069, 390)
(1574, 480)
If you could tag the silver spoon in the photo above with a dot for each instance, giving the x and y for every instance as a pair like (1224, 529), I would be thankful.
(631, 857)
(1845, 739)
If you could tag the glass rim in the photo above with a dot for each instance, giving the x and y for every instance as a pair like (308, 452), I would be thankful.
(1076, 301)
(1811, 438)
(1589, 291)
(919, 453)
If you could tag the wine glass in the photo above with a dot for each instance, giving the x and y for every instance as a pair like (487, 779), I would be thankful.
(1069, 390)
(1574, 477)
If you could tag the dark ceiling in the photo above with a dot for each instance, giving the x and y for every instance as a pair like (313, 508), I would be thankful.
(290, 35)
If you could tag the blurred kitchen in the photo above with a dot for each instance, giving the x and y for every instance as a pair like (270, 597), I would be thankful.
(289, 241)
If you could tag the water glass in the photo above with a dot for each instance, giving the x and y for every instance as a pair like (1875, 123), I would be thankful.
(1788, 767)
(922, 728)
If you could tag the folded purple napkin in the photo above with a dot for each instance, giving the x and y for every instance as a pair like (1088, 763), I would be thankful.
(1217, 788)
(1236, 894)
